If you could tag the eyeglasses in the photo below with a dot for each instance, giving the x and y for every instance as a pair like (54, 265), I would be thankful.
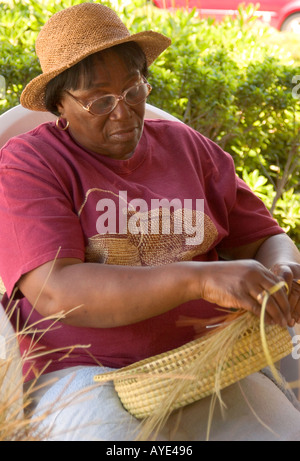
(106, 104)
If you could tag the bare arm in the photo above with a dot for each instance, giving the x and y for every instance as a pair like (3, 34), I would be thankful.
(279, 250)
(280, 255)
(108, 295)
(112, 296)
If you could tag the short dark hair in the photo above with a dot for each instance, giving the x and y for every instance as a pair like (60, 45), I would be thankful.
(70, 79)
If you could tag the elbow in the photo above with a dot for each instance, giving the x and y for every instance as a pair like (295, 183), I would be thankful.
(48, 289)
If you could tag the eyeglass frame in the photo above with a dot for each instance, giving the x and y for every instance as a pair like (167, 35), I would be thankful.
(118, 98)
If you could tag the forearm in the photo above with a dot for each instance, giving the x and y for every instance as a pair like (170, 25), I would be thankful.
(278, 249)
(110, 296)
(104, 296)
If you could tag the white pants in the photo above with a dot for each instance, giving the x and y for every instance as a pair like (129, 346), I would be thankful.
(79, 410)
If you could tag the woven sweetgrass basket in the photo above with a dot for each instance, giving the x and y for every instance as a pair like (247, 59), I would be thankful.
(143, 387)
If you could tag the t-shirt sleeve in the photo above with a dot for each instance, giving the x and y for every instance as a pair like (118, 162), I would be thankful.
(38, 221)
(240, 216)
(248, 219)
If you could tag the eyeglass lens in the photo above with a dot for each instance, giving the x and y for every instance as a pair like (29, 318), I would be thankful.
(134, 95)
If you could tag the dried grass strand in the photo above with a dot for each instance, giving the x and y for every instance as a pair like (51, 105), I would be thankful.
(173, 379)
(16, 422)
(264, 341)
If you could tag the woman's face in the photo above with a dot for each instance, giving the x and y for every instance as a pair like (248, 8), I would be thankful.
(117, 134)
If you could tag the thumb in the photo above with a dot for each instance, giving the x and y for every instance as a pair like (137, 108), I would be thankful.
(284, 272)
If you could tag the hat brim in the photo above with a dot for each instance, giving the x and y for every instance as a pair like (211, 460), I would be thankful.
(152, 44)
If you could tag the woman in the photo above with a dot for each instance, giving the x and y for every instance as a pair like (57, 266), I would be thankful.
(124, 225)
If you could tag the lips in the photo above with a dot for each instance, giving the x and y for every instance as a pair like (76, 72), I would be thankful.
(123, 131)
(124, 134)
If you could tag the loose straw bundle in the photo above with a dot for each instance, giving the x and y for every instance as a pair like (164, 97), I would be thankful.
(16, 420)
(240, 346)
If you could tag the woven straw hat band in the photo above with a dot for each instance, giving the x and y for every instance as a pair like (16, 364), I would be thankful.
(77, 32)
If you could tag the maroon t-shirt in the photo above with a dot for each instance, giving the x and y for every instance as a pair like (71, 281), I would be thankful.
(176, 199)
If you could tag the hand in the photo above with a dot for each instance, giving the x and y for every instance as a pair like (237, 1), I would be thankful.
(290, 272)
(239, 284)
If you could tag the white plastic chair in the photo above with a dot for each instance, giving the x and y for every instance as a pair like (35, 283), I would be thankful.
(19, 120)
(11, 388)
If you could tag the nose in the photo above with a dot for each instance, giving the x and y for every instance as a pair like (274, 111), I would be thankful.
(121, 110)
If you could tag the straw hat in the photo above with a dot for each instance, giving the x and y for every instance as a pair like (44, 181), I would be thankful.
(77, 32)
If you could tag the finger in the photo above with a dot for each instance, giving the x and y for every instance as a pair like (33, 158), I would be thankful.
(273, 310)
(284, 272)
(273, 290)
(251, 304)
(273, 314)
(294, 293)
(294, 300)
(277, 304)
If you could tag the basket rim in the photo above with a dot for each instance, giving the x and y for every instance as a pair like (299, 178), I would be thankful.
(138, 368)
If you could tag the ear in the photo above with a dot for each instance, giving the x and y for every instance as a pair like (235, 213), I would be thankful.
(62, 104)
(60, 108)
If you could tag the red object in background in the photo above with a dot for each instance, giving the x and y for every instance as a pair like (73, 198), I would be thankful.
(281, 14)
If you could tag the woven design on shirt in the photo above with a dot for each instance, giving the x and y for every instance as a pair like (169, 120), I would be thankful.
(147, 248)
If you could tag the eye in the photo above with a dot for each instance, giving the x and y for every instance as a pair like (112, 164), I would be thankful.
(133, 92)
(102, 104)
(137, 93)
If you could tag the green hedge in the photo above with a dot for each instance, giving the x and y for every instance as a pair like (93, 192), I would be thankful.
(227, 80)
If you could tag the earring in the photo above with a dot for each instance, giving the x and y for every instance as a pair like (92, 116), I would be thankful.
(61, 128)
